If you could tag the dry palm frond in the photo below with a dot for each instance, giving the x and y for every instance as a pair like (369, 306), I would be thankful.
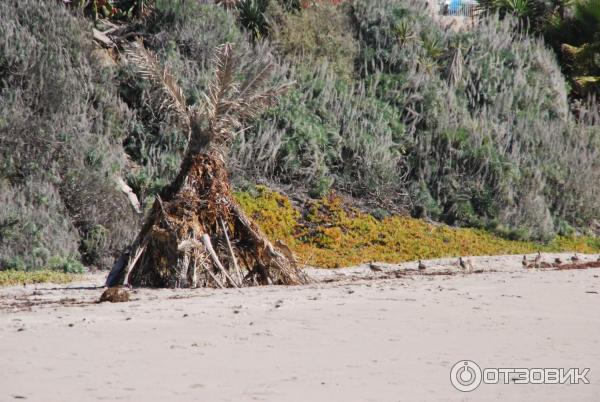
(229, 104)
(148, 66)
(221, 105)
(256, 103)
(253, 98)
(254, 83)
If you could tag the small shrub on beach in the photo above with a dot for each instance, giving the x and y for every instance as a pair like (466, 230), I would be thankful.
(66, 265)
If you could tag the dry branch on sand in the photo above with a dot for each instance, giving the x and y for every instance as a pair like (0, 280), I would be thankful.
(196, 234)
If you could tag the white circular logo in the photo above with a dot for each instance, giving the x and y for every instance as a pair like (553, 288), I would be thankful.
(465, 375)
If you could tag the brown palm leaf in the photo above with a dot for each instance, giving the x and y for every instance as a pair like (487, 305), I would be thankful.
(229, 104)
(148, 66)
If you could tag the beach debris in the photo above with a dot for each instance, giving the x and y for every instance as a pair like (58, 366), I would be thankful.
(465, 265)
(196, 234)
(374, 268)
(115, 295)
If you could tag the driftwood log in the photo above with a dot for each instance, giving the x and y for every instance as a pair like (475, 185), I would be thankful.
(196, 234)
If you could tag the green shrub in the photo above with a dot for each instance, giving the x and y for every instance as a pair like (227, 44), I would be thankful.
(252, 16)
(34, 224)
(319, 35)
(66, 265)
(14, 264)
(326, 131)
(474, 127)
(489, 128)
(61, 127)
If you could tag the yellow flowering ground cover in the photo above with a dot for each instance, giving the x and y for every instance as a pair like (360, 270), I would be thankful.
(330, 234)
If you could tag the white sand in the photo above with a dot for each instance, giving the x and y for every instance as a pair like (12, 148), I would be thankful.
(350, 340)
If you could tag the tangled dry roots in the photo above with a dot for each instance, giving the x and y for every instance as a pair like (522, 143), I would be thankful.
(197, 236)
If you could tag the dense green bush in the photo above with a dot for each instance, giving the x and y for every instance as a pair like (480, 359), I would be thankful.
(317, 36)
(326, 132)
(61, 124)
(490, 133)
(572, 28)
(34, 225)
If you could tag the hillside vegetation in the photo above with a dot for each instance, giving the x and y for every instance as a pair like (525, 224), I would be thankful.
(389, 110)
(329, 233)
(571, 28)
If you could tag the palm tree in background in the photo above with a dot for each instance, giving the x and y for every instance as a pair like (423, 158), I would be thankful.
(571, 27)
(583, 53)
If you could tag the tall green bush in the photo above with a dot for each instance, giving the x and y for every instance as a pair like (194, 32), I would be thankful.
(61, 124)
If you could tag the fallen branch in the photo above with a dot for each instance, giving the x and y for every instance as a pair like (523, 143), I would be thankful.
(128, 191)
(219, 284)
(231, 253)
(162, 209)
(131, 264)
(215, 258)
(102, 38)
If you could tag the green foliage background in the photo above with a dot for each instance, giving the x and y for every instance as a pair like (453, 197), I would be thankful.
(472, 128)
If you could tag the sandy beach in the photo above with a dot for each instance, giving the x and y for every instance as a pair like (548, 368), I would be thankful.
(353, 335)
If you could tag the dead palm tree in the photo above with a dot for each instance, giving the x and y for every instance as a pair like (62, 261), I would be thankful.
(196, 233)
